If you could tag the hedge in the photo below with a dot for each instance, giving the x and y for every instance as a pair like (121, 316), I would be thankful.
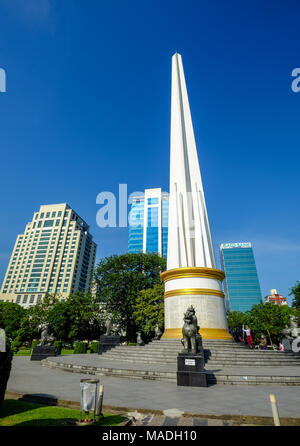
(94, 347)
(80, 347)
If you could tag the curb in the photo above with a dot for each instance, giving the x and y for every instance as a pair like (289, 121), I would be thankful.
(238, 419)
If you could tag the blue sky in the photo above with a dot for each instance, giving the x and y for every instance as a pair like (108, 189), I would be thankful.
(87, 107)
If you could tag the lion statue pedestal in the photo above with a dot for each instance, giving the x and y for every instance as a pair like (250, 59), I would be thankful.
(190, 362)
(45, 347)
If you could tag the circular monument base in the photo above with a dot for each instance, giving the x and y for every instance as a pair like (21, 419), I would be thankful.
(201, 288)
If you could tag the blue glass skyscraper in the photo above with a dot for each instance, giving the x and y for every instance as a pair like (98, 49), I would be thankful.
(242, 289)
(148, 223)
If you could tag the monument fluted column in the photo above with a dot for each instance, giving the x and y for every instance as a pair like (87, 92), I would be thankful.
(191, 277)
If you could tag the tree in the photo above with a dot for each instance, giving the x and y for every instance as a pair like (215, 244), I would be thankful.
(295, 292)
(120, 279)
(234, 319)
(59, 321)
(149, 309)
(83, 315)
(269, 319)
(11, 316)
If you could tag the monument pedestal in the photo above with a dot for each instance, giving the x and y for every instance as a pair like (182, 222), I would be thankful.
(107, 343)
(190, 370)
(42, 352)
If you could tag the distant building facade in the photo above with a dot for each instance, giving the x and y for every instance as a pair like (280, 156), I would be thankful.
(148, 223)
(241, 285)
(275, 298)
(55, 254)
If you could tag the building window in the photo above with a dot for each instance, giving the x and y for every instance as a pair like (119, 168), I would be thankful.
(48, 223)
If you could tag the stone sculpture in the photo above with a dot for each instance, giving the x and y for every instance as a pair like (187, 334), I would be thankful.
(45, 347)
(190, 362)
(191, 339)
(139, 339)
(290, 333)
(157, 332)
(108, 326)
(46, 338)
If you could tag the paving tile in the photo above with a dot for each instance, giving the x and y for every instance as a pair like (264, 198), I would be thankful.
(185, 421)
(200, 422)
(214, 422)
(170, 421)
(157, 420)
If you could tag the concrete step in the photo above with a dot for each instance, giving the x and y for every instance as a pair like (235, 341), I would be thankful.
(211, 364)
(212, 348)
(244, 353)
(213, 378)
(250, 355)
(213, 360)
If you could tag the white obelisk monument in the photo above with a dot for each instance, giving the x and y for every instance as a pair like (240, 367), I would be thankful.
(191, 277)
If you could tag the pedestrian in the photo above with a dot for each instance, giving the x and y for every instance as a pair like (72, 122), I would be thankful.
(247, 331)
(239, 333)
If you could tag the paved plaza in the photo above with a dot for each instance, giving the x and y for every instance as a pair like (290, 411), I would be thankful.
(30, 377)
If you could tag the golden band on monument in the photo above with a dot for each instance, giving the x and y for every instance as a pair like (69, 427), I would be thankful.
(192, 271)
(193, 291)
(206, 333)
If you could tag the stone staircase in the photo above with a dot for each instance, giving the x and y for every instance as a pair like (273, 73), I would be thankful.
(218, 354)
(227, 362)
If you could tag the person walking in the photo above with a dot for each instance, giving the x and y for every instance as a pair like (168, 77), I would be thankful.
(247, 332)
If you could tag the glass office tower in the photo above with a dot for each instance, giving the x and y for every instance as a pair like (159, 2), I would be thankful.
(242, 289)
(148, 223)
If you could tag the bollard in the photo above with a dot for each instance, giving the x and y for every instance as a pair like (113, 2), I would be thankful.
(274, 410)
(100, 401)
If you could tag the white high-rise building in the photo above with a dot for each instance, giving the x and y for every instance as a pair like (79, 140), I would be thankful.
(56, 254)
(191, 277)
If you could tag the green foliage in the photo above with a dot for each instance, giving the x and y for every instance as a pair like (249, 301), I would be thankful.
(268, 319)
(34, 343)
(234, 319)
(149, 309)
(80, 347)
(84, 316)
(295, 292)
(78, 317)
(58, 320)
(94, 347)
(120, 279)
(11, 316)
(58, 346)
(16, 344)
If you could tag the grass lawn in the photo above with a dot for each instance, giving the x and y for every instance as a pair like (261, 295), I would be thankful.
(23, 413)
(28, 352)
(23, 353)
